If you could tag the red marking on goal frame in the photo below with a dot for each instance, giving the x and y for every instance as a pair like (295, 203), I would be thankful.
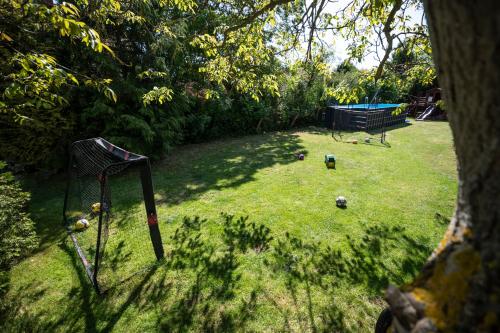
(152, 219)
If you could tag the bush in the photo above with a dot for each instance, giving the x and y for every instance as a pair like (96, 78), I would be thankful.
(17, 230)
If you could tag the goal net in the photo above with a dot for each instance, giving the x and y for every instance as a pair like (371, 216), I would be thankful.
(107, 191)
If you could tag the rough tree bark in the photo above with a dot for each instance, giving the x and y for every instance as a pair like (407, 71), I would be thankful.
(459, 288)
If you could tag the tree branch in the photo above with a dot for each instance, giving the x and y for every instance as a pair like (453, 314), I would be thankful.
(389, 38)
(252, 17)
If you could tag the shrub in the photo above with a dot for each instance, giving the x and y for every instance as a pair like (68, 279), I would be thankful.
(17, 230)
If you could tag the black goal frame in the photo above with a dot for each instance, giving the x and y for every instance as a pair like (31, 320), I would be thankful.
(127, 158)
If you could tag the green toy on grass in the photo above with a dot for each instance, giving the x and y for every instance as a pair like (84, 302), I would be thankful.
(330, 161)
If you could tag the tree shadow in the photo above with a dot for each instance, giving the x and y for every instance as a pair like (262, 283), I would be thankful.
(78, 304)
(96, 308)
(211, 302)
(210, 280)
(13, 317)
(111, 315)
(209, 299)
(80, 297)
(310, 268)
(370, 265)
(199, 286)
(81, 303)
(118, 256)
(46, 205)
(441, 219)
(196, 169)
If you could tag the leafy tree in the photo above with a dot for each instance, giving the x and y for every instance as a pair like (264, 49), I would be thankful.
(34, 98)
(303, 89)
(345, 67)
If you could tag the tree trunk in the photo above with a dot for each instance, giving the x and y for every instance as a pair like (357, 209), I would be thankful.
(259, 124)
(459, 288)
(294, 120)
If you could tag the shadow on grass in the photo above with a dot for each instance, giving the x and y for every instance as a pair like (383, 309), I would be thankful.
(310, 268)
(77, 305)
(199, 286)
(47, 205)
(211, 299)
(13, 318)
(202, 168)
(441, 219)
(210, 302)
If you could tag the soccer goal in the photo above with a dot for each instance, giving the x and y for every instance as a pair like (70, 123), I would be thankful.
(110, 236)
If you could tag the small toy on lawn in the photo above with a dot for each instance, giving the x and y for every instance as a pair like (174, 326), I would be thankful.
(367, 140)
(330, 161)
(96, 207)
(341, 202)
(81, 224)
(301, 157)
(355, 141)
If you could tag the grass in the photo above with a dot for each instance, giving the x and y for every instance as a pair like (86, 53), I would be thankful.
(297, 263)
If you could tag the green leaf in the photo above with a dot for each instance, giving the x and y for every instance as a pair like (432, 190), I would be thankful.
(5, 37)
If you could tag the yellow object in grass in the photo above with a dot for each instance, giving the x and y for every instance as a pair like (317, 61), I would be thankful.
(81, 224)
(96, 208)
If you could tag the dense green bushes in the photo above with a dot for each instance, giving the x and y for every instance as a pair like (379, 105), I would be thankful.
(17, 230)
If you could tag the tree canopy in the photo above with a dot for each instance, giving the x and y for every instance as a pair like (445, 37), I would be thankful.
(149, 74)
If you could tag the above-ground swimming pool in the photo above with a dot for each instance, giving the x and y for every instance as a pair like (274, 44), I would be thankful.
(362, 116)
(366, 107)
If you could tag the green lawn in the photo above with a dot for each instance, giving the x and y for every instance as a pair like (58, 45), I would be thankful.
(324, 268)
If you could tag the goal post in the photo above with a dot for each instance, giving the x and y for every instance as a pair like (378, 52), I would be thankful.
(92, 163)
(149, 202)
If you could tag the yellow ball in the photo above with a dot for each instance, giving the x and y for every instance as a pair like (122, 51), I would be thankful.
(96, 208)
(81, 224)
